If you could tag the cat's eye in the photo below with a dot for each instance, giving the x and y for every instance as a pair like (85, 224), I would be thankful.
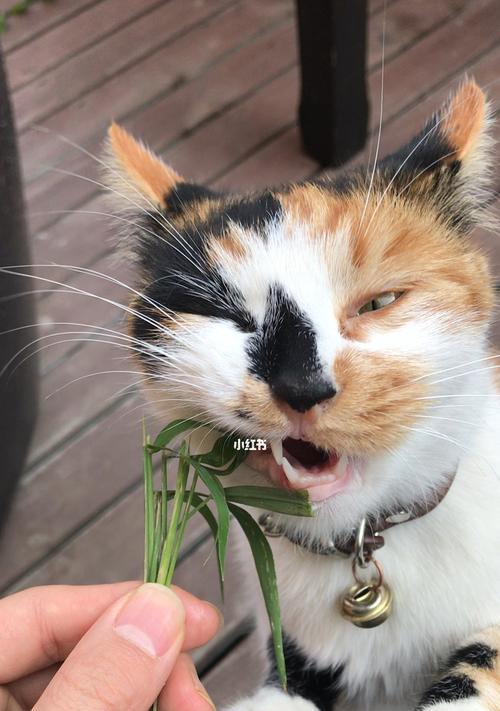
(379, 302)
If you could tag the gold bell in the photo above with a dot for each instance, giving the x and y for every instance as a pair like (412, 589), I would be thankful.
(367, 605)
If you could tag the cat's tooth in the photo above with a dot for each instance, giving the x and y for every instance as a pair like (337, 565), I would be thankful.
(277, 450)
(341, 467)
(291, 474)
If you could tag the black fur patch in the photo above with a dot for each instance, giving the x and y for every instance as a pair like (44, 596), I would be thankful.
(452, 687)
(321, 686)
(284, 354)
(175, 266)
(185, 194)
(179, 277)
(252, 212)
(424, 153)
(477, 655)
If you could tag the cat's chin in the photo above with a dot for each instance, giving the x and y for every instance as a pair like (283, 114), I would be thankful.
(294, 464)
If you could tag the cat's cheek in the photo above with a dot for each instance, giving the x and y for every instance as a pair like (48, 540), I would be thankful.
(379, 398)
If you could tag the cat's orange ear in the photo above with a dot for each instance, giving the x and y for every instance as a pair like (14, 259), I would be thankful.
(463, 121)
(135, 170)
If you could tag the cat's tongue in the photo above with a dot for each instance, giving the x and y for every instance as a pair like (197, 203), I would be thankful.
(300, 465)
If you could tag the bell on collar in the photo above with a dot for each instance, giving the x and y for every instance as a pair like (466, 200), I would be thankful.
(367, 605)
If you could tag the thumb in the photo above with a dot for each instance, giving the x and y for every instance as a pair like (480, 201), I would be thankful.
(125, 659)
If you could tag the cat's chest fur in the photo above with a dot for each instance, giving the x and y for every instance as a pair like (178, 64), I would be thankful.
(444, 571)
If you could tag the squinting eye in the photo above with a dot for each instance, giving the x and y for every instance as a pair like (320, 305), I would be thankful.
(379, 302)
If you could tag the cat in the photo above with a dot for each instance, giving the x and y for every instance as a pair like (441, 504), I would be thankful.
(345, 320)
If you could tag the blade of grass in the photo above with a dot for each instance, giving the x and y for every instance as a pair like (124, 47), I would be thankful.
(148, 506)
(266, 571)
(222, 452)
(166, 570)
(217, 491)
(173, 430)
(293, 503)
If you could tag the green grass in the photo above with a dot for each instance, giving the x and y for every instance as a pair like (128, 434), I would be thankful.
(165, 527)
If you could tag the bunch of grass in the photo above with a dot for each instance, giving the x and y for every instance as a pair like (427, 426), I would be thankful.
(165, 526)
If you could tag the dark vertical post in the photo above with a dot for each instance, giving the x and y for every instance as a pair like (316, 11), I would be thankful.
(333, 110)
(18, 389)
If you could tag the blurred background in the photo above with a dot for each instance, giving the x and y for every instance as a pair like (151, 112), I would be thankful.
(213, 86)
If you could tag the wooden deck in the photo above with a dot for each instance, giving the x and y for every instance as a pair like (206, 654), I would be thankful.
(211, 85)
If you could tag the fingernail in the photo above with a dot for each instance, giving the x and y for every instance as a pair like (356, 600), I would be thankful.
(152, 619)
(201, 691)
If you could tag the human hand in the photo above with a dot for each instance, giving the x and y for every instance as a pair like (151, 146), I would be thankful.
(121, 646)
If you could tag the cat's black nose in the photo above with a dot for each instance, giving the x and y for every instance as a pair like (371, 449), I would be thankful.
(302, 393)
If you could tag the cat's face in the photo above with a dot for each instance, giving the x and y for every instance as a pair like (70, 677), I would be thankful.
(335, 319)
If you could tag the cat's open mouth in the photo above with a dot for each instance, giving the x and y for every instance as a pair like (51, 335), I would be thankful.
(299, 464)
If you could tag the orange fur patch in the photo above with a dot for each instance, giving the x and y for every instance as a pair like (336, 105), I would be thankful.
(401, 247)
(378, 397)
(256, 398)
(151, 175)
(464, 120)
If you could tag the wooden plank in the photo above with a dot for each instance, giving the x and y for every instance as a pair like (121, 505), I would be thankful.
(60, 43)
(178, 62)
(96, 64)
(178, 111)
(39, 19)
(161, 126)
(279, 159)
(448, 50)
(67, 307)
(56, 498)
(84, 395)
(237, 675)
(403, 24)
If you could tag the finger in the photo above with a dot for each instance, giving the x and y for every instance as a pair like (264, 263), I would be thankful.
(28, 690)
(41, 626)
(183, 690)
(124, 660)
(203, 620)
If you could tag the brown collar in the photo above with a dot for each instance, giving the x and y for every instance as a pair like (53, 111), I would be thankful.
(375, 525)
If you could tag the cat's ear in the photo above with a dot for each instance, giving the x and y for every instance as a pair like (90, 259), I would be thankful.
(134, 173)
(449, 162)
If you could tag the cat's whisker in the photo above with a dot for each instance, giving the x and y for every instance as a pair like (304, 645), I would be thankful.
(469, 372)
(127, 309)
(424, 170)
(455, 367)
(381, 114)
(447, 438)
(100, 330)
(435, 125)
(448, 419)
(168, 227)
(456, 395)
(66, 340)
(91, 375)
(110, 168)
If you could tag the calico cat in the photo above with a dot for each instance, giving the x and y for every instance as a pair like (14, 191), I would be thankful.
(346, 321)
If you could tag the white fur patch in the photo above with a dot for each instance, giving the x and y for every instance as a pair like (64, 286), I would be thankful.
(268, 699)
